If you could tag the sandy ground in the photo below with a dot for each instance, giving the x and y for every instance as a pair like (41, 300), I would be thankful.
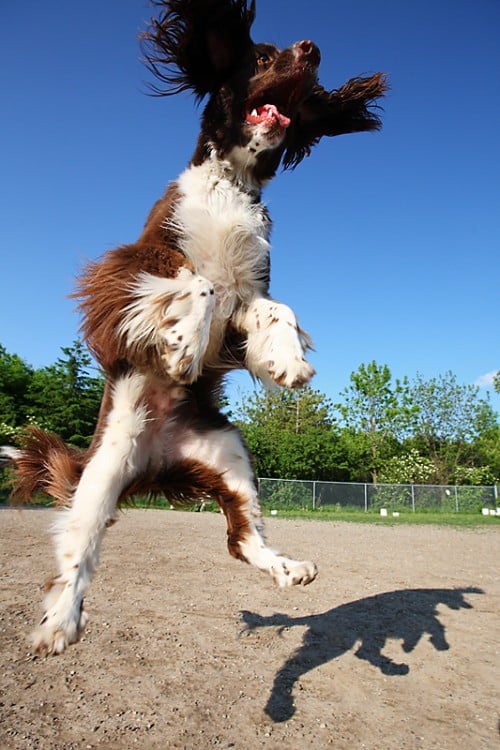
(396, 645)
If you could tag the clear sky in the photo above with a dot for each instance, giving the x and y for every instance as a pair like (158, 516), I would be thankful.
(386, 245)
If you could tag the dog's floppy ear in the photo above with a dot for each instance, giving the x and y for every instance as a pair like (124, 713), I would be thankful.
(197, 44)
(344, 110)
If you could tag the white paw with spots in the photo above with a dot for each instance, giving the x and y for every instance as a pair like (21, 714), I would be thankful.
(186, 330)
(276, 345)
(287, 572)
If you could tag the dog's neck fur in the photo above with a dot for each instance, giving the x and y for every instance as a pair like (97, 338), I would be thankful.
(250, 166)
(237, 167)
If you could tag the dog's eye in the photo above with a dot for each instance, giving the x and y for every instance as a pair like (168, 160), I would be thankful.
(263, 60)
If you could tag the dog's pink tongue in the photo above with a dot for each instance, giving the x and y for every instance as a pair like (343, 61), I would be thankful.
(269, 112)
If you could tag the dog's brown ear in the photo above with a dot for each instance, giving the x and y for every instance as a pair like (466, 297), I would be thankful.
(197, 44)
(348, 109)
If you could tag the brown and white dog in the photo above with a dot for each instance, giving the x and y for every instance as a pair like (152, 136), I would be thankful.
(168, 316)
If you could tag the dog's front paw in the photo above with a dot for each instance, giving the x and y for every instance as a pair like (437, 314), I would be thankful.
(186, 331)
(182, 362)
(293, 572)
(276, 345)
(288, 366)
(294, 374)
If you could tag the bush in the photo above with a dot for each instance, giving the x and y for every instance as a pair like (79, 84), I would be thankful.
(282, 494)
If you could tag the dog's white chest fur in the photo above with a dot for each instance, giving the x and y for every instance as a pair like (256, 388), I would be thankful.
(224, 232)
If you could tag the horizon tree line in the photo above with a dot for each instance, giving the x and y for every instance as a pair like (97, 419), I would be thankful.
(434, 431)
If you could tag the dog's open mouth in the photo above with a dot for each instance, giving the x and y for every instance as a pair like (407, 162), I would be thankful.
(267, 114)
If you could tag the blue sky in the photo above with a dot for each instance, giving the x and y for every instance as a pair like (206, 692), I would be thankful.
(386, 245)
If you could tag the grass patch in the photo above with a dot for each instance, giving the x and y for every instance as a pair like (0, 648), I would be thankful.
(441, 518)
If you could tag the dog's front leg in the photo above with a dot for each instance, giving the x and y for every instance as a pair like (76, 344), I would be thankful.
(173, 315)
(153, 319)
(276, 345)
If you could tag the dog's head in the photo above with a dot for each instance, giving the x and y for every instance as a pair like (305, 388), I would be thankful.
(265, 105)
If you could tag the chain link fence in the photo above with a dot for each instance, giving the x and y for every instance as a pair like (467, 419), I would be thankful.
(307, 495)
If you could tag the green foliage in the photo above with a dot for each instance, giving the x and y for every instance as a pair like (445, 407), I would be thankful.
(282, 495)
(475, 475)
(448, 411)
(8, 434)
(63, 397)
(290, 433)
(447, 419)
(285, 409)
(377, 408)
(373, 403)
(389, 431)
(15, 377)
(354, 457)
(408, 468)
(390, 496)
(384, 430)
(487, 450)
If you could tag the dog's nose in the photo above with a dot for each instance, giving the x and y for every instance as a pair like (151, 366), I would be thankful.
(309, 51)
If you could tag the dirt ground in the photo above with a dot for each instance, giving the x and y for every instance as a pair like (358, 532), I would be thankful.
(394, 646)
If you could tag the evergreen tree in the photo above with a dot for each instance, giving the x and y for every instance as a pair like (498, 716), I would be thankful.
(65, 397)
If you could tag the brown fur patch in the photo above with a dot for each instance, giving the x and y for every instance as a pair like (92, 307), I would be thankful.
(45, 466)
(49, 584)
(105, 289)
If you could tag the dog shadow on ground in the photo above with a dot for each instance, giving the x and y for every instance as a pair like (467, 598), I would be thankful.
(405, 615)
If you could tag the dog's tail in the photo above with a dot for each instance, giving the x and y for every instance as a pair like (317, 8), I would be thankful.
(43, 465)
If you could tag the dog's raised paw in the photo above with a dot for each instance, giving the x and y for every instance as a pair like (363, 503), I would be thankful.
(297, 373)
(186, 330)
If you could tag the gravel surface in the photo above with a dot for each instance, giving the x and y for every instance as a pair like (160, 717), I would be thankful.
(394, 646)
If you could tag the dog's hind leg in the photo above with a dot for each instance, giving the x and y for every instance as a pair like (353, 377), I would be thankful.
(79, 529)
(226, 471)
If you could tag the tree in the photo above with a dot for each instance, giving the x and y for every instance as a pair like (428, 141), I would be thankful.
(496, 382)
(289, 432)
(15, 377)
(447, 420)
(487, 451)
(65, 397)
(294, 410)
(377, 409)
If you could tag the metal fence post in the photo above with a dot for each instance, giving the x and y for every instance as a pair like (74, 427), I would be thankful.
(366, 498)
(456, 499)
(413, 498)
(314, 495)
